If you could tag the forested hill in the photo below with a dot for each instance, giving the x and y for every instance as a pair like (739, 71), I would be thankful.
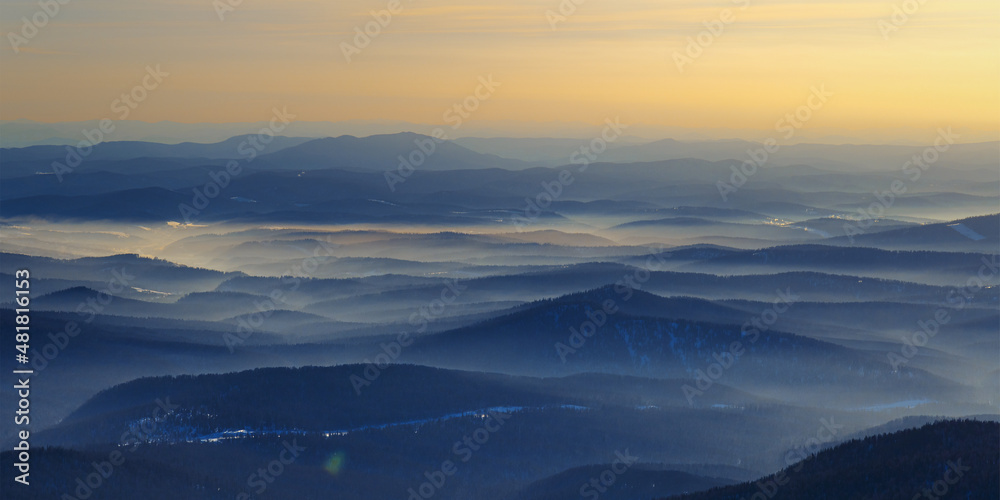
(901, 465)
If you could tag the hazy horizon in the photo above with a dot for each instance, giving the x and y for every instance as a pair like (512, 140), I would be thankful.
(172, 132)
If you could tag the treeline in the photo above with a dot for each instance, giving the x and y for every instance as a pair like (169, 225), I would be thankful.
(951, 459)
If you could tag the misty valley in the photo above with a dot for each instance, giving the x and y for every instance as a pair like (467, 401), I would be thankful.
(411, 317)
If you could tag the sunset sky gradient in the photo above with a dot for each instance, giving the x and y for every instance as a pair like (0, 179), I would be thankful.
(609, 58)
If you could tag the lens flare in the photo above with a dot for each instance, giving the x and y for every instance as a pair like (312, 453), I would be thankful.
(334, 464)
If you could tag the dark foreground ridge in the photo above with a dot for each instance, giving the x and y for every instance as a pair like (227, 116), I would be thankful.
(951, 459)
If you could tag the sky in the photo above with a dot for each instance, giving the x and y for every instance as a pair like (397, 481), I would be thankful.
(653, 62)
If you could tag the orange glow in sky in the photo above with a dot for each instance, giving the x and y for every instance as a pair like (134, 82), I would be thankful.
(938, 65)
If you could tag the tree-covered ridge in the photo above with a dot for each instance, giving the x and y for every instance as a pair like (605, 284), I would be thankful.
(949, 459)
